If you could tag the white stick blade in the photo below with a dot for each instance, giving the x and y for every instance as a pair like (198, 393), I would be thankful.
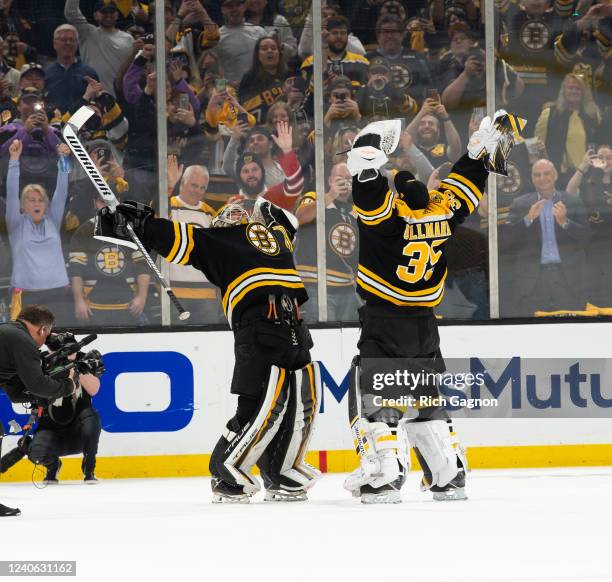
(80, 118)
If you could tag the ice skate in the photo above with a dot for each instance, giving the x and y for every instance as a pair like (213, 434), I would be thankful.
(378, 495)
(8, 511)
(226, 493)
(282, 495)
(454, 491)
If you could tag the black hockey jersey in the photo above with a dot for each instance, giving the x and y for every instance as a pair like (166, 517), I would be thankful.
(401, 251)
(527, 44)
(109, 271)
(247, 262)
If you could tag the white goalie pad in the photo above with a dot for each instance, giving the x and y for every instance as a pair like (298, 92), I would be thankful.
(381, 453)
(256, 436)
(307, 401)
(438, 447)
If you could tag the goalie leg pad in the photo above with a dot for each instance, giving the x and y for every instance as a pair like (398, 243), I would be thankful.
(283, 466)
(441, 456)
(243, 443)
(383, 457)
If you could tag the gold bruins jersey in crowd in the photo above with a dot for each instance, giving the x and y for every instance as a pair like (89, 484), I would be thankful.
(247, 262)
(401, 251)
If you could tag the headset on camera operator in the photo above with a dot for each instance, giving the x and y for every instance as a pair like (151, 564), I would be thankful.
(59, 385)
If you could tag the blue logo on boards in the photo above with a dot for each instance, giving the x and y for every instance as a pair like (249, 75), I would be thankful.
(176, 416)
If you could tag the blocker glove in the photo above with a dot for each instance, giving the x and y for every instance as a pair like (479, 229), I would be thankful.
(112, 226)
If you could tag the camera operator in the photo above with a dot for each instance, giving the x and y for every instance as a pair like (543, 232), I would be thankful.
(21, 372)
(69, 426)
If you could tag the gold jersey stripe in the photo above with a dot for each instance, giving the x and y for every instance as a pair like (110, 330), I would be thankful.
(190, 245)
(376, 212)
(251, 273)
(475, 190)
(395, 301)
(397, 290)
(177, 243)
(263, 283)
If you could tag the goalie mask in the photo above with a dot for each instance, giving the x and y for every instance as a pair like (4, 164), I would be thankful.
(260, 210)
(232, 214)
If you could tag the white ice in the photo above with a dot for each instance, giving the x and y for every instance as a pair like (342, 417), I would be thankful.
(518, 525)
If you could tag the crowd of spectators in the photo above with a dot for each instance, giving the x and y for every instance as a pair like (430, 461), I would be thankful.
(240, 123)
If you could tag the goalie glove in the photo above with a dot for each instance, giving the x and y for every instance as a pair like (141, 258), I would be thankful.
(494, 139)
(372, 147)
(112, 226)
(270, 214)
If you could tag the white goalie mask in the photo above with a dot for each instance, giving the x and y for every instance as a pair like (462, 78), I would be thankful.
(231, 215)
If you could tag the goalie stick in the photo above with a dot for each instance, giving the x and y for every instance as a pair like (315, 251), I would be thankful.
(70, 130)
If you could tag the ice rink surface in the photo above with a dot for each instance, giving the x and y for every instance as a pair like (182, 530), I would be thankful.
(518, 525)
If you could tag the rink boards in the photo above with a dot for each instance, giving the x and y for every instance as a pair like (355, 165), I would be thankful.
(165, 400)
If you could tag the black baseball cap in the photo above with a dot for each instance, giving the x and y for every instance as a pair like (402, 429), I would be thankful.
(378, 66)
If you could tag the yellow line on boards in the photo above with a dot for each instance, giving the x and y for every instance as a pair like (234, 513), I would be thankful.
(512, 457)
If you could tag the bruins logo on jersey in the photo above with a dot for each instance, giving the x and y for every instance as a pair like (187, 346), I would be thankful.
(110, 261)
(512, 183)
(401, 77)
(535, 36)
(343, 239)
(262, 239)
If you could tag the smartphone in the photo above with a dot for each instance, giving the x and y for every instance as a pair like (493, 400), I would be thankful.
(476, 52)
(103, 154)
(242, 118)
(183, 101)
(220, 84)
(433, 94)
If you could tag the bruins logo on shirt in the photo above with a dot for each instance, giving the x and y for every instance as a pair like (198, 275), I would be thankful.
(343, 239)
(262, 239)
(535, 35)
(110, 261)
(401, 77)
(511, 184)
